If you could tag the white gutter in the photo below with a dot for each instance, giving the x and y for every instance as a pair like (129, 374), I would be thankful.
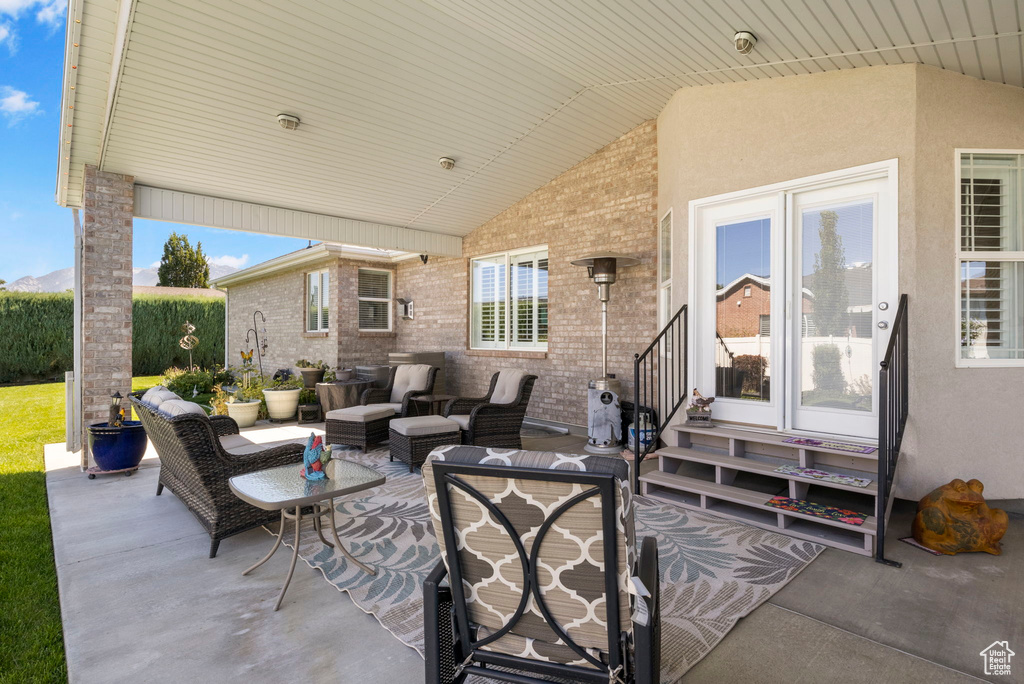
(72, 37)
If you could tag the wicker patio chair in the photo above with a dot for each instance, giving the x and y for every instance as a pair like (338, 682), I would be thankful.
(196, 466)
(495, 419)
(404, 382)
(575, 605)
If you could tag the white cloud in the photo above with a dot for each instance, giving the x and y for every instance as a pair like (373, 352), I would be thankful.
(49, 12)
(16, 104)
(228, 260)
(52, 13)
(155, 264)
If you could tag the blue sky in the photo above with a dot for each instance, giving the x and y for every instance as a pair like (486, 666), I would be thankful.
(35, 233)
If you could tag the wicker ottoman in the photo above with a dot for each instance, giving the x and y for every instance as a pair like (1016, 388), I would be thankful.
(412, 439)
(361, 426)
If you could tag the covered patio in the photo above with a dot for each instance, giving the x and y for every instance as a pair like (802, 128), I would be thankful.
(453, 147)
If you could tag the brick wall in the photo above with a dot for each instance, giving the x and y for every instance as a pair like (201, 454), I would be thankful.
(282, 296)
(606, 202)
(108, 205)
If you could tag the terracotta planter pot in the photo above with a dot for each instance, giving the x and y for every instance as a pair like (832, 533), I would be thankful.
(244, 412)
(282, 404)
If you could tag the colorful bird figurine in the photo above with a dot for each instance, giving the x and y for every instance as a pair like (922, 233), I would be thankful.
(312, 467)
(701, 402)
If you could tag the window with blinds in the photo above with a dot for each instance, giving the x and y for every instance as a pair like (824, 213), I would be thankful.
(374, 294)
(509, 300)
(317, 294)
(991, 258)
(665, 275)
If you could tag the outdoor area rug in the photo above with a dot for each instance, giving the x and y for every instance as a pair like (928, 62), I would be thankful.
(713, 571)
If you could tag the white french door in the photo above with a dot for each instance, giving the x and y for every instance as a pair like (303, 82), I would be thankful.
(792, 287)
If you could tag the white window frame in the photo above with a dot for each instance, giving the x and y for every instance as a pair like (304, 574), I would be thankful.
(981, 255)
(665, 286)
(391, 289)
(325, 298)
(541, 347)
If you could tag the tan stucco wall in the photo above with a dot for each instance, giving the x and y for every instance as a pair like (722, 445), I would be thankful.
(718, 139)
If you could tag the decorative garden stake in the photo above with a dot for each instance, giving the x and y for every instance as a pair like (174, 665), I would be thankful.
(188, 342)
(261, 349)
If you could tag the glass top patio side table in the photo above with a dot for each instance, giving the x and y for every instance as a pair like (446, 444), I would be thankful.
(434, 401)
(283, 488)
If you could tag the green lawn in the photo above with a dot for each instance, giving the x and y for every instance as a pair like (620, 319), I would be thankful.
(31, 645)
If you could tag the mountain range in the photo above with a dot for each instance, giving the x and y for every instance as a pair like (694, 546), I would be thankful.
(64, 279)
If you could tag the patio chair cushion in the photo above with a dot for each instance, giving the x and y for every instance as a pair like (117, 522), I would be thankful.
(571, 572)
(507, 388)
(250, 443)
(423, 425)
(461, 419)
(362, 414)
(155, 396)
(409, 377)
(178, 407)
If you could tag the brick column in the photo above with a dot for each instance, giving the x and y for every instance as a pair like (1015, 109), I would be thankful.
(106, 285)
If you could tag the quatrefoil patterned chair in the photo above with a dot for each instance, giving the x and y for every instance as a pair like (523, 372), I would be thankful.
(542, 581)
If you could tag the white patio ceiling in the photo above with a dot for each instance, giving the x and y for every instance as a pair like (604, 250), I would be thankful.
(183, 94)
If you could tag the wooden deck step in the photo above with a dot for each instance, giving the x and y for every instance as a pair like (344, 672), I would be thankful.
(749, 465)
(771, 437)
(744, 497)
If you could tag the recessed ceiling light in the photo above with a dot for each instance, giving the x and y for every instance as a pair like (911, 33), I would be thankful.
(288, 122)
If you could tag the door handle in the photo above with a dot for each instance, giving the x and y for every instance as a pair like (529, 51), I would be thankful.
(883, 325)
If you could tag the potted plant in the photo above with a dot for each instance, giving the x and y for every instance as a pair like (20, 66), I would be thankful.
(243, 405)
(282, 398)
(117, 445)
(312, 372)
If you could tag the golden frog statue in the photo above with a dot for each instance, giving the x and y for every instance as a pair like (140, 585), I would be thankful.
(955, 518)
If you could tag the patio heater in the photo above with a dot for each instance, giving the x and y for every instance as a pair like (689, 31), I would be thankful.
(604, 419)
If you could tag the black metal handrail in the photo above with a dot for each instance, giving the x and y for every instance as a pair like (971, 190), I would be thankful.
(659, 381)
(893, 403)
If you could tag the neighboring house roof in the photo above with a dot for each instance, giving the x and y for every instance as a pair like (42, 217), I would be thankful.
(176, 291)
(310, 255)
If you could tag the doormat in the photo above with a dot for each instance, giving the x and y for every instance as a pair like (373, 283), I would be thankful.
(823, 476)
(838, 446)
(817, 510)
(913, 542)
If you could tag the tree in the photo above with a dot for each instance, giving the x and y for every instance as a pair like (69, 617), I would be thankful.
(830, 295)
(183, 266)
(2, 283)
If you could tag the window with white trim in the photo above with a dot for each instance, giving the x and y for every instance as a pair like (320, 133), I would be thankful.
(990, 261)
(374, 293)
(318, 291)
(509, 300)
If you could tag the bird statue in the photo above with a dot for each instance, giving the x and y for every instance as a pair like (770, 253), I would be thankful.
(312, 466)
(700, 402)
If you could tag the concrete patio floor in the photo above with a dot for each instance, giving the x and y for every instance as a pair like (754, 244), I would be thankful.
(141, 601)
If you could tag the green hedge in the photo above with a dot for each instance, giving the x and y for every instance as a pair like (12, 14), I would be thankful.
(156, 329)
(36, 334)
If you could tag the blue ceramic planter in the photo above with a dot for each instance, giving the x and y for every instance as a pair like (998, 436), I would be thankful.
(117, 448)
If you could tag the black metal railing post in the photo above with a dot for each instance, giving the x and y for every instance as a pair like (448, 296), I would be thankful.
(893, 409)
(659, 382)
